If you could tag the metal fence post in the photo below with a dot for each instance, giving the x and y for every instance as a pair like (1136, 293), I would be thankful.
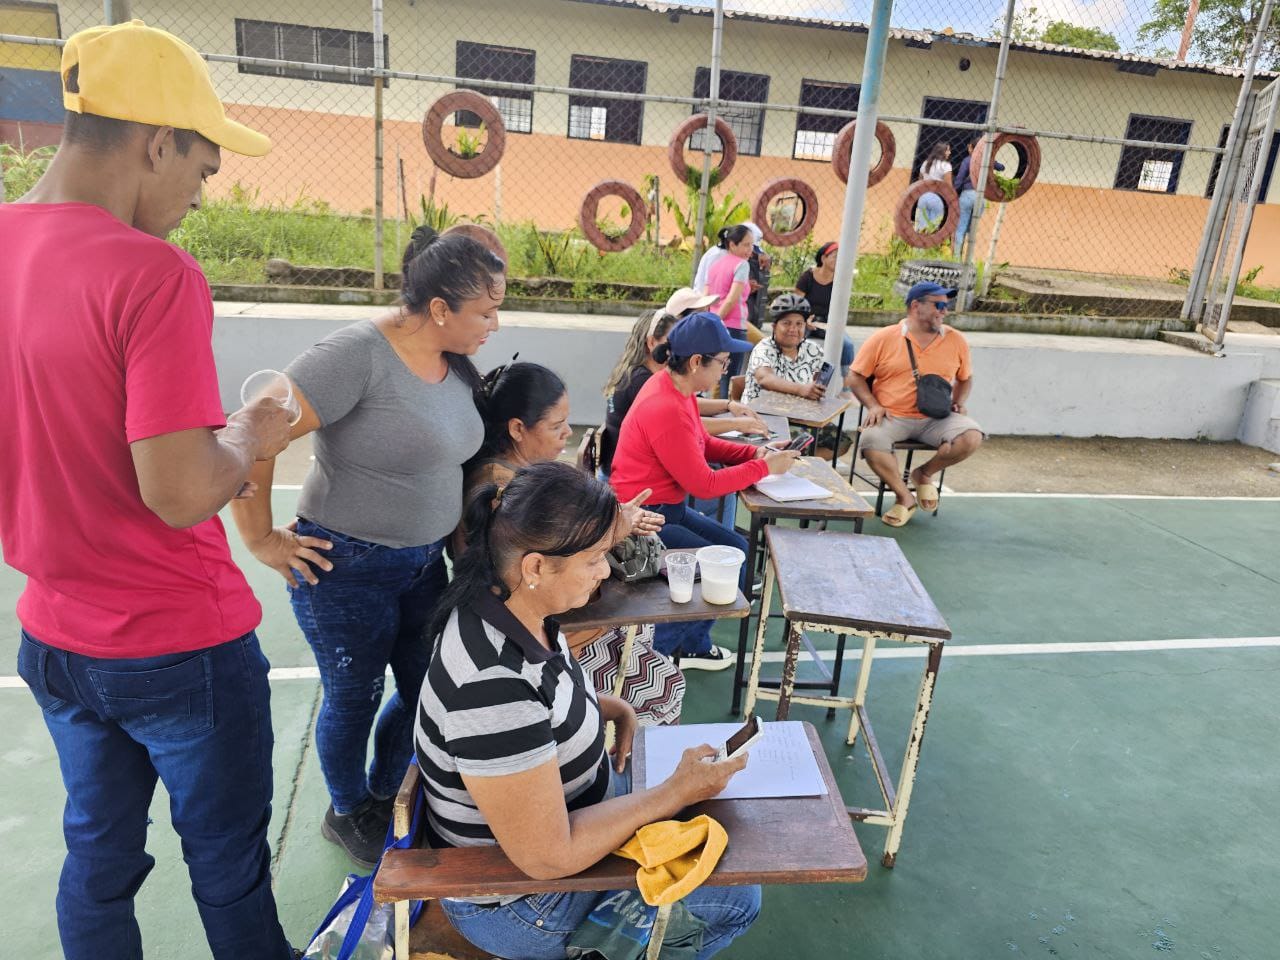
(855, 191)
(1193, 305)
(979, 177)
(708, 137)
(379, 65)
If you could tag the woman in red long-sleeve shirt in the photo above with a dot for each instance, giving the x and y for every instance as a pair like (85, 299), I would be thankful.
(663, 446)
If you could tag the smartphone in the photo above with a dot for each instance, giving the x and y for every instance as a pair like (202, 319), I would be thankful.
(800, 443)
(823, 376)
(751, 731)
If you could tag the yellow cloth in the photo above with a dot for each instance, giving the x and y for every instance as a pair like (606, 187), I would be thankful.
(675, 857)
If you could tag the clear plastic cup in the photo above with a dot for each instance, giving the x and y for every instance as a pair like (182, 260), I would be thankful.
(680, 569)
(720, 567)
(273, 384)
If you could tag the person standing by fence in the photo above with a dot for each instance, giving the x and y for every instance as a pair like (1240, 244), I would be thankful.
(138, 637)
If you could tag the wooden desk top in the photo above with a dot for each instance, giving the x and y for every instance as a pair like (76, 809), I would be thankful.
(779, 429)
(849, 579)
(781, 839)
(809, 413)
(846, 504)
(787, 840)
(649, 601)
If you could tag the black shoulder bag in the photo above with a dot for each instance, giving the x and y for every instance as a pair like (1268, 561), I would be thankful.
(933, 393)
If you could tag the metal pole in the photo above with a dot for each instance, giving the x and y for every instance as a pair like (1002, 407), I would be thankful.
(855, 192)
(1193, 306)
(979, 177)
(708, 136)
(379, 64)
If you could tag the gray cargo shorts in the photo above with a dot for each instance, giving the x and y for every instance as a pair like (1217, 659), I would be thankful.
(935, 433)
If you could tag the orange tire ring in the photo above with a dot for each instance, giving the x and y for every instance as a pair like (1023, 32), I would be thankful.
(591, 205)
(775, 188)
(1028, 148)
(844, 141)
(904, 217)
(465, 168)
(728, 147)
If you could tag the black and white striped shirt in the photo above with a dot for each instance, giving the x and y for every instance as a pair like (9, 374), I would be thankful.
(497, 702)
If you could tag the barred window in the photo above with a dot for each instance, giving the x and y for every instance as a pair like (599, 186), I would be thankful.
(291, 41)
(816, 133)
(485, 61)
(595, 118)
(747, 122)
(1149, 168)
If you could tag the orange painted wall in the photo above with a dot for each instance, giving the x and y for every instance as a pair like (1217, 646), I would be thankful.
(543, 178)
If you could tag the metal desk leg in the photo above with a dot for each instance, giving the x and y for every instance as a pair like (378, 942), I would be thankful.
(659, 932)
(835, 444)
(788, 684)
(911, 762)
(857, 524)
(400, 910)
(762, 626)
(835, 673)
(753, 538)
(860, 691)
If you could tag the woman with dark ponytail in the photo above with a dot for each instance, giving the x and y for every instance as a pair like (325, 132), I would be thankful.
(510, 735)
(392, 403)
(729, 278)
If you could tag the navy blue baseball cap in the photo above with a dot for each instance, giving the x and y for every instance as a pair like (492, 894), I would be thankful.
(928, 289)
(703, 332)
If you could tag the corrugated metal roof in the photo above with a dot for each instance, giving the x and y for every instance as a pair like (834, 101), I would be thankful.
(931, 36)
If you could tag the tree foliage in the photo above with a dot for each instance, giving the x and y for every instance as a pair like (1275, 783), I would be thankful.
(1083, 38)
(1223, 32)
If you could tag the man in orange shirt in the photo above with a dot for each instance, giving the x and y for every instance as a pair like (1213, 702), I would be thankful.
(884, 383)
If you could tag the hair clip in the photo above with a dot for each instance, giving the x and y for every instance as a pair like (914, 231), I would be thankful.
(490, 380)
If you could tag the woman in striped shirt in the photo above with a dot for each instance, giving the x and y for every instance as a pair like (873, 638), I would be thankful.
(510, 736)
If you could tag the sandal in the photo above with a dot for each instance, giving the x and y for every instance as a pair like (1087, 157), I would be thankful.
(897, 515)
(927, 497)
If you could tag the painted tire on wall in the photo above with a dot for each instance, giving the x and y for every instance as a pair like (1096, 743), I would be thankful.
(844, 141)
(904, 217)
(591, 205)
(1028, 148)
(728, 145)
(465, 168)
(775, 188)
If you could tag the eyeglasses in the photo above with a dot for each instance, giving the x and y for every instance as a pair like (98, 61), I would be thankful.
(708, 358)
(940, 305)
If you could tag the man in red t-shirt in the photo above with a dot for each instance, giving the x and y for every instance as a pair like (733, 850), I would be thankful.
(138, 629)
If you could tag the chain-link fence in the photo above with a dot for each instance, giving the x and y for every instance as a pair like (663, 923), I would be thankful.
(1108, 144)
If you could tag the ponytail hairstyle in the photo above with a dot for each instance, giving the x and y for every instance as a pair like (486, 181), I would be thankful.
(651, 323)
(733, 234)
(550, 508)
(455, 268)
(518, 391)
(821, 253)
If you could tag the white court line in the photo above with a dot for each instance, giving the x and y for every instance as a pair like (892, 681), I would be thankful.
(914, 651)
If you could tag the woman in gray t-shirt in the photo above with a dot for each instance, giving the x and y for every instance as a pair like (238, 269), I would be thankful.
(392, 405)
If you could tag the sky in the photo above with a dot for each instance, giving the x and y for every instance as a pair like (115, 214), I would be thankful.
(1121, 18)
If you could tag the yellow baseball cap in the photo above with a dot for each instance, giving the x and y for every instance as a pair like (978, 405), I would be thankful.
(134, 72)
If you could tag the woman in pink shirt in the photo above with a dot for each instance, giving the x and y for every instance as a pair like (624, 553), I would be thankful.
(729, 279)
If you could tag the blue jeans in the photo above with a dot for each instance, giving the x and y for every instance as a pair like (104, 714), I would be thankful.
(929, 212)
(201, 723)
(368, 612)
(968, 200)
(735, 362)
(538, 927)
(687, 529)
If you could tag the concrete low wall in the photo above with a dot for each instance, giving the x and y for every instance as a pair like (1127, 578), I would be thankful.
(1027, 384)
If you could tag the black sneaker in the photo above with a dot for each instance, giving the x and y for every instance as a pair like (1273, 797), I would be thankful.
(361, 833)
(717, 658)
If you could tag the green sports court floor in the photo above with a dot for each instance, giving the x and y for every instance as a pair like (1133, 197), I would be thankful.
(1101, 775)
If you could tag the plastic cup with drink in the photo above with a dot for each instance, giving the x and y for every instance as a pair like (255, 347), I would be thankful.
(720, 567)
(680, 570)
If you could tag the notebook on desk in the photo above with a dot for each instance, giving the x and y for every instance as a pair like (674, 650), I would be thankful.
(781, 764)
(786, 488)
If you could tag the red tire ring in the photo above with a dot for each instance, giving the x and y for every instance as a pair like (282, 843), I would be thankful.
(844, 141)
(904, 217)
(728, 147)
(1028, 148)
(775, 188)
(465, 168)
(591, 206)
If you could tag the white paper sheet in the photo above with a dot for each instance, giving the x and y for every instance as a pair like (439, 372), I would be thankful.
(780, 764)
(786, 487)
